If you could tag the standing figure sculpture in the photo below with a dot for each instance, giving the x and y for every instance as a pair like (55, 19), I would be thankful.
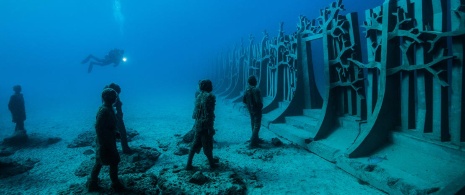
(119, 118)
(114, 56)
(106, 151)
(254, 102)
(189, 136)
(204, 115)
(18, 112)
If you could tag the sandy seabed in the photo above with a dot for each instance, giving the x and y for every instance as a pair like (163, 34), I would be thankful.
(286, 170)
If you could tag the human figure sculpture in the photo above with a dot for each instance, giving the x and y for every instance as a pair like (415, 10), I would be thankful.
(204, 115)
(119, 118)
(18, 114)
(106, 151)
(254, 103)
(18, 111)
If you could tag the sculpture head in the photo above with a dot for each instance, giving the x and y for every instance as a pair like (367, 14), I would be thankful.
(252, 80)
(109, 96)
(115, 87)
(17, 88)
(206, 85)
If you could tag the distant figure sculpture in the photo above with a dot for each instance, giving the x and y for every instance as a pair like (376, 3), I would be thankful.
(189, 136)
(204, 115)
(17, 109)
(106, 151)
(119, 118)
(253, 100)
(18, 113)
(114, 56)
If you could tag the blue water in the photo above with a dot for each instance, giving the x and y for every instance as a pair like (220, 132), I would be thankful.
(169, 44)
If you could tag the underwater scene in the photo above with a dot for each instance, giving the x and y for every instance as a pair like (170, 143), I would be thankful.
(232, 97)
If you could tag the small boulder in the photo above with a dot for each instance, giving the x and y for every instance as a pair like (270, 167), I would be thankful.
(84, 139)
(188, 137)
(6, 151)
(88, 152)
(198, 178)
(276, 142)
(9, 167)
(181, 151)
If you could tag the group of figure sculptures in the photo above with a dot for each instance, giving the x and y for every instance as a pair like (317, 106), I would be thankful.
(109, 127)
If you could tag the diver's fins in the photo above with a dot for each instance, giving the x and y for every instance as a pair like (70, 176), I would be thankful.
(86, 60)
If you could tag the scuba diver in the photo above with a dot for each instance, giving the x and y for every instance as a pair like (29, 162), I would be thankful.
(114, 56)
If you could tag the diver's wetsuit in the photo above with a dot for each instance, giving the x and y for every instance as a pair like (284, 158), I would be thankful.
(113, 57)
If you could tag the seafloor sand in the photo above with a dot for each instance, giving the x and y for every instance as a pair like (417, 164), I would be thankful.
(286, 170)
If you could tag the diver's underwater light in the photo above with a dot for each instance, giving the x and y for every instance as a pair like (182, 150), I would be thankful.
(124, 59)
